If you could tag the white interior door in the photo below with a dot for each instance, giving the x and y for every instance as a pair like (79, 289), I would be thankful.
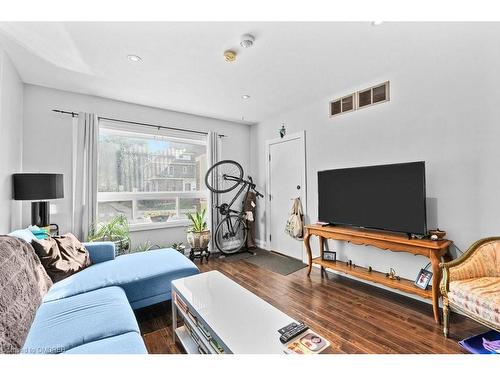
(286, 181)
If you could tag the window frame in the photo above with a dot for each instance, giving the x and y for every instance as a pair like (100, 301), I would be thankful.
(136, 196)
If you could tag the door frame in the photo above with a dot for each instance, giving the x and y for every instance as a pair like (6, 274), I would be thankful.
(289, 137)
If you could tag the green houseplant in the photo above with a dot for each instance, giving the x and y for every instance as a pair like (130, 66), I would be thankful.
(116, 230)
(198, 236)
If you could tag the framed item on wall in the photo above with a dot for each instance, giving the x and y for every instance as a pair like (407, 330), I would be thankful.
(423, 279)
(330, 255)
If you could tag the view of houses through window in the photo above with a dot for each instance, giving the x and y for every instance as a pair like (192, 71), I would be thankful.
(149, 178)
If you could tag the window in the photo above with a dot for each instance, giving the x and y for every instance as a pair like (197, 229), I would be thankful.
(150, 177)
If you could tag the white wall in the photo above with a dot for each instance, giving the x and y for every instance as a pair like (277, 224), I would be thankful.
(443, 109)
(11, 130)
(47, 143)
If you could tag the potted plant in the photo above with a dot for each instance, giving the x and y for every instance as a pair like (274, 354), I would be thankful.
(158, 216)
(116, 230)
(198, 236)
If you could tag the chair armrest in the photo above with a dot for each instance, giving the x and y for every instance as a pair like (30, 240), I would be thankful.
(466, 266)
(100, 251)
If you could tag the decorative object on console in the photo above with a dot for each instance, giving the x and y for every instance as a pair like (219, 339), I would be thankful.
(439, 234)
(330, 255)
(423, 279)
(38, 188)
(471, 284)
(392, 274)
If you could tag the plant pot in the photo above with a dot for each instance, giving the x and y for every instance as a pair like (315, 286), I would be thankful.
(198, 240)
(159, 218)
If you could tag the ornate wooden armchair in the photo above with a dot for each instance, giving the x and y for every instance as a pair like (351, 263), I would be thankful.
(471, 284)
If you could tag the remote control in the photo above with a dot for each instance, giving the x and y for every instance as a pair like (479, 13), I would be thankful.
(294, 332)
(287, 328)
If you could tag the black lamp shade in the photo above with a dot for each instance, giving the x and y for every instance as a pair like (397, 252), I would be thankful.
(38, 186)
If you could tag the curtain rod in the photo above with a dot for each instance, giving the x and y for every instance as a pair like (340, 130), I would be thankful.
(75, 114)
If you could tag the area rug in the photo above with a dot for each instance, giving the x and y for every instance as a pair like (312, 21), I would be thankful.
(239, 256)
(276, 263)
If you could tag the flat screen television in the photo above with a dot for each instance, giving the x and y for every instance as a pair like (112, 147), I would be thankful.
(386, 197)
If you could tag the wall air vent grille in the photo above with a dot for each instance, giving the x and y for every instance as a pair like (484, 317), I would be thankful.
(363, 98)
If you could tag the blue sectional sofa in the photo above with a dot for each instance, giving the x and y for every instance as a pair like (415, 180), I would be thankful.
(91, 311)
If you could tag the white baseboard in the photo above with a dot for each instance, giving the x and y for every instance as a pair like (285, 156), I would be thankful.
(261, 244)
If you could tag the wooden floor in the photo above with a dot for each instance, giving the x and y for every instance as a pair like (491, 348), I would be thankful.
(354, 317)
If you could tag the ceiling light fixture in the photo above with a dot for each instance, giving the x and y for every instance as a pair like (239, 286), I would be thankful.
(229, 55)
(134, 58)
(377, 23)
(247, 40)
(246, 96)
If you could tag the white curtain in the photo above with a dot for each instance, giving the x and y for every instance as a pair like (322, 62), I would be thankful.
(214, 152)
(85, 143)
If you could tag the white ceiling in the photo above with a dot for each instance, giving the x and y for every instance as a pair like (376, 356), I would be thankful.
(183, 68)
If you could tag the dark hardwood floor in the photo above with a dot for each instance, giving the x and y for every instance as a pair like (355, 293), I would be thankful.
(353, 316)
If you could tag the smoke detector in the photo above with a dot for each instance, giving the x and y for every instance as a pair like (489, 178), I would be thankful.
(229, 55)
(247, 40)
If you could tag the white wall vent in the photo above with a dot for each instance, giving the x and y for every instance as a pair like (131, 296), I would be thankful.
(364, 98)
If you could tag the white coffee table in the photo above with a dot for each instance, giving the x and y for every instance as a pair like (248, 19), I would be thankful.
(215, 309)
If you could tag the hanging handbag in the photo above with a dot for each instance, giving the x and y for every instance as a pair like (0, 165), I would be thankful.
(294, 225)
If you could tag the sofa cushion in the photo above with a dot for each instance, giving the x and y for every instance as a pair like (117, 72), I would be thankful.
(63, 257)
(481, 296)
(66, 323)
(23, 234)
(144, 276)
(128, 343)
(23, 283)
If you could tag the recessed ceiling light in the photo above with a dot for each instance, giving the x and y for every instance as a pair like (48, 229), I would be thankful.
(245, 96)
(134, 58)
(377, 23)
(247, 40)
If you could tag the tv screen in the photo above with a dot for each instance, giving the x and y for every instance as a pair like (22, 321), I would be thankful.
(388, 197)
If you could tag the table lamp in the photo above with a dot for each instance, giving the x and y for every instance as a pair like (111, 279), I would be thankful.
(38, 188)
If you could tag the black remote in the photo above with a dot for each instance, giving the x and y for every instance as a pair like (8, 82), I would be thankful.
(294, 332)
(287, 328)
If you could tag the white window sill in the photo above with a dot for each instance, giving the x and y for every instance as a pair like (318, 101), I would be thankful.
(152, 226)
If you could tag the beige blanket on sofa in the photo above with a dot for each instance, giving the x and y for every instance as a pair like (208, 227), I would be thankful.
(23, 283)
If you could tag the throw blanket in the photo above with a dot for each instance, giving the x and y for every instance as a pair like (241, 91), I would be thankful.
(23, 283)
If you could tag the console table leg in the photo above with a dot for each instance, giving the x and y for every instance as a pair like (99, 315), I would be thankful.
(436, 278)
(308, 249)
(321, 250)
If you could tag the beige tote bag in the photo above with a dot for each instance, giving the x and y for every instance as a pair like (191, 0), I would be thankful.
(294, 225)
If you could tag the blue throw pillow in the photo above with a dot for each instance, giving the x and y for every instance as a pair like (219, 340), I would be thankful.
(23, 234)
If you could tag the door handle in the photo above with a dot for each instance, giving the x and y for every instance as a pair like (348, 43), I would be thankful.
(298, 187)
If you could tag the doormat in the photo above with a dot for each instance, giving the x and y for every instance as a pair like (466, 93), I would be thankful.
(276, 263)
(240, 256)
(484, 343)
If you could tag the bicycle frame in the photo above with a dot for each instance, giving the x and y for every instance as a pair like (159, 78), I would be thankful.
(245, 185)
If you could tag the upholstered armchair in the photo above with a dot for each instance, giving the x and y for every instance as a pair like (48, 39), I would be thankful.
(471, 284)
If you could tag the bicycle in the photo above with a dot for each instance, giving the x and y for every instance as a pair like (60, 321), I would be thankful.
(231, 233)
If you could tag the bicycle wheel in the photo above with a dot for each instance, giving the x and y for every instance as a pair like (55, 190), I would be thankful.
(224, 176)
(231, 234)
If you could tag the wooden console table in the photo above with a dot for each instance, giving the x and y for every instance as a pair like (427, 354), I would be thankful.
(433, 250)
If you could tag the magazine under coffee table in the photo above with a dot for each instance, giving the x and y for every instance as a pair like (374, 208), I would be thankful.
(220, 316)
